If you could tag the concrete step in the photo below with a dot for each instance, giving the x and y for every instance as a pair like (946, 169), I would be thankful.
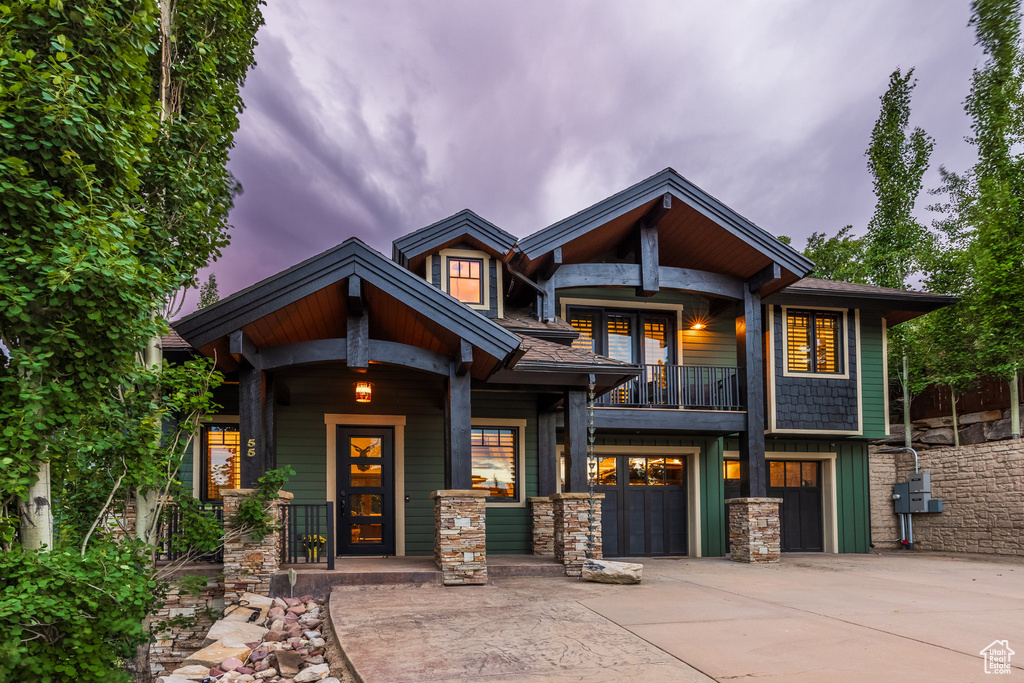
(319, 582)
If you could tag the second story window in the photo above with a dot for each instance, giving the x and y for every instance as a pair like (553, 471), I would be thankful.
(813, 341)
(465, 280)
(631, 336)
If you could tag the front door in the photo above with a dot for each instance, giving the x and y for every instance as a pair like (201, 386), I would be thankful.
(366, 491)
(644, 508)
(798, 484)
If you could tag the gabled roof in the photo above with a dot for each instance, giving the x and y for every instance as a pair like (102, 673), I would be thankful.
(312, 280)
(897, 305)
(463, 226)
(702, 213)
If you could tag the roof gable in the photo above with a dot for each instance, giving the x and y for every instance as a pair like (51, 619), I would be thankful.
(633, 200)
(464, 224)
(319, 273)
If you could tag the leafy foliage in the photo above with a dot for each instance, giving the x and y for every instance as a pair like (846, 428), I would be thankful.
(253, 516)
(208, 293)
(840, 257)
(66, 616)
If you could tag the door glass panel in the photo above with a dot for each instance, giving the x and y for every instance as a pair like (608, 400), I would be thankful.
(606, 472)
(367, 533)
(674, 471)
(620, 338)
(776, 473)
(732, 469)
(793, 474)
(366, 474)
(656, 471)
(365, 447)
(656, 341)
(366, 505)
(637, 471)
(809, 473)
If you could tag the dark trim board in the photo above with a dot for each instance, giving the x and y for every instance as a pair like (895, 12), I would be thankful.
(703, 422)
(334, 350)
(351, 257)
(667, 181)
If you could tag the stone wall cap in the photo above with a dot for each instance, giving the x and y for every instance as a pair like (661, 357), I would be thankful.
(459, 493)
(539, 499)
(284, 495)
(575, 496)
(730, 501)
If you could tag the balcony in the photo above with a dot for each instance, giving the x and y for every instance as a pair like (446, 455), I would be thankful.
(693, 387)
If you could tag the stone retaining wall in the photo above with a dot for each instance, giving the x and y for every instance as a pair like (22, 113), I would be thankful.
(542, 518)
(755, 532)
(249, 563)
(982, 489)
(884, 524)
(190, 617)
(460, 536)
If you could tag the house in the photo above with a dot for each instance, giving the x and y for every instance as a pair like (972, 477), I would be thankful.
(467, 361)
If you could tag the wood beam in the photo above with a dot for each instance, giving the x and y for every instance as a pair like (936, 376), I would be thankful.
(457, 432)
(547, 456)
(575, 436)
(252, 393)
(753, 475)
(649, 219)
(355, 296)
(552, 265)
(464, 361)
(647, 256)
(764, 277)
(242, 348)
(358, 344)
(336, 350)
(628, 275)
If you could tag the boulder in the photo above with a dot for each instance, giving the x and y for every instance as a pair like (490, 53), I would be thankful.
(997, 431)
(973, 434)
(934, 422)
(983, 416)
(943, 436)
(606, 571)
(313, 673)
(234, 633)
(212, 655)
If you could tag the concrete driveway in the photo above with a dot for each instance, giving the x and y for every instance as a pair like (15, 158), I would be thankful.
(893, 617)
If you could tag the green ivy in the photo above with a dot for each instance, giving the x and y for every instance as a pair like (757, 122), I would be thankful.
(253, 516)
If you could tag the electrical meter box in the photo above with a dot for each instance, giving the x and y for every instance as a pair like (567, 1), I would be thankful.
(901, 498)
(921, 482)
(919, 501)
(935, 505)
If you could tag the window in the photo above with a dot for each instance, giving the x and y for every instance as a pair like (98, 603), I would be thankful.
(813, 341)
(634, 337)
(496, 463)
(221, 460)
(465, 279)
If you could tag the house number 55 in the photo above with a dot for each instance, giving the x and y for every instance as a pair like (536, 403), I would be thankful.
(252, 448)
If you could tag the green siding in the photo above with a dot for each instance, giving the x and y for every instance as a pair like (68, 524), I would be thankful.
(714, 345)
(874, 377)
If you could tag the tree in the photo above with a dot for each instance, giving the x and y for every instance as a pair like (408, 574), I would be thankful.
(895, 240)
(996, 106)
(840, 257)
(208, 294)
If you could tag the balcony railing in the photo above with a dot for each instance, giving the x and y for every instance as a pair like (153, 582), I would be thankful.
(697, 387)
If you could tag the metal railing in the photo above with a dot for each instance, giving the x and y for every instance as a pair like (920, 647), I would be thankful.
(170, 529)
(307, 534)
(700, 387)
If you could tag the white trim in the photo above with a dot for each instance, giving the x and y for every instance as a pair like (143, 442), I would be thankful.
(692, 456)
(429, 275)
(885, 373)
(830, 500)
(628, 305)
(844, 342)
(520, 426)
(332, 421)
(485, 274)
(197, 448)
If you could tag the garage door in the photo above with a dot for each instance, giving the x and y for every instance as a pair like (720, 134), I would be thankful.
(644, 509)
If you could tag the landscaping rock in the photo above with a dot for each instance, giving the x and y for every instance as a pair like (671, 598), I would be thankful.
(973, 434)
(276, 613)
(297, 610)
(230, 664)
(174, 679)
(606, 571)
(259, 654)
(313, 673)
(193, 670)
(234, 633)
(318, 642)
(997, 431)
(288, 602)
(278, 602)
(288, 663)
(275, 635)
(310, 635)
(332, 679)
(266, 673)
(943, 436)
(317, 659)
(215, 672)
(212, 655)
(245, 670)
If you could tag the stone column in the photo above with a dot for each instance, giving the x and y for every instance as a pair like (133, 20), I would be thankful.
(542, 515)
(460, 536)
(249, 563)
(755, 532)
(573, 523)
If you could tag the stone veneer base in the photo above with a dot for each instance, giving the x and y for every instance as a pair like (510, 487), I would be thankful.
(460, 536)
(573, 523)
(755, 532)
(542, 518)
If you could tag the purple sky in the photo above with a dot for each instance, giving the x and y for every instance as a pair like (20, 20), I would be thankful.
(376, 118)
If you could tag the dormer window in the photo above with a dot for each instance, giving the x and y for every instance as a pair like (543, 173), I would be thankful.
(466, 280)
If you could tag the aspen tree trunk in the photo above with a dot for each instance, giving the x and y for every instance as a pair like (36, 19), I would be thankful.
(908, 429)
(36, 523)
(956, 429)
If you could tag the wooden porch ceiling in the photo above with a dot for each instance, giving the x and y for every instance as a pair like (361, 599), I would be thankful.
(686, 239)
(324, 313)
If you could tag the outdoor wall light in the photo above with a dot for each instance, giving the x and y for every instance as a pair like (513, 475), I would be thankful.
(364, 392)
(698, 326)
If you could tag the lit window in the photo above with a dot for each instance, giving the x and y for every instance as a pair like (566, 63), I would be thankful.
(812, 341)
(494, 463)
(584, 324)
(222, 462)
(465, 280)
